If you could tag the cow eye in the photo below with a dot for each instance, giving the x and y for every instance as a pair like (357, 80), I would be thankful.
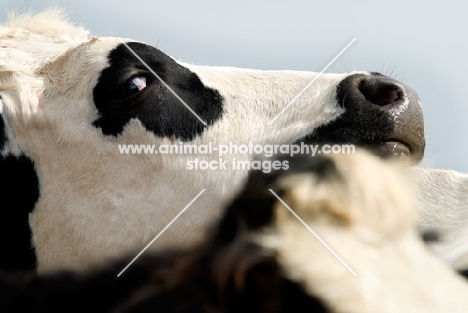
(134, 86)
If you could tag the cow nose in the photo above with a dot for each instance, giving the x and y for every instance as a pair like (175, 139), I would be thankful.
(381, 111)
(381, 91)
(367, 90)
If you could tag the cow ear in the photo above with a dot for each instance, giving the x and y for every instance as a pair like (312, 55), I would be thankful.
(18, 195)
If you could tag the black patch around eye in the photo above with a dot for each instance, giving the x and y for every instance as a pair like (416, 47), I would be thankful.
(156, 106)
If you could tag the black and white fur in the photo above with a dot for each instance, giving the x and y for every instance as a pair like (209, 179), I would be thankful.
(68, 100)
(260, 258)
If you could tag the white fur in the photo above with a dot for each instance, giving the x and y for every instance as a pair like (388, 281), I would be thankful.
(443, 207)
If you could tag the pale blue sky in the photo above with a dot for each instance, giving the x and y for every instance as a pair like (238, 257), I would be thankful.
(422, 43)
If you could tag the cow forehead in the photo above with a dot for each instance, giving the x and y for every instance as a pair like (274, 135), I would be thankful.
(76, 71)
(49, 82)
(56, 63)
(40, 45)
(43, 70)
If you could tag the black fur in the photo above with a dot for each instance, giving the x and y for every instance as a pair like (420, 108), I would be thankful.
(464, 273)
(2, 133)
(155, 106)
(19, 193)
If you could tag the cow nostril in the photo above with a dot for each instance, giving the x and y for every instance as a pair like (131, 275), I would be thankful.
(383, 97)
(380, 94)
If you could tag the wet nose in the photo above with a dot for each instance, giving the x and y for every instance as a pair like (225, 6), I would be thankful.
(363, 90)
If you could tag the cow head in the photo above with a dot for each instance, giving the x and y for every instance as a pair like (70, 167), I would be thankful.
(69, 102)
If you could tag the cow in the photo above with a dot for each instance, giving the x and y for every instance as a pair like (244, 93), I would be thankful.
(70, 103)
(259, 257)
